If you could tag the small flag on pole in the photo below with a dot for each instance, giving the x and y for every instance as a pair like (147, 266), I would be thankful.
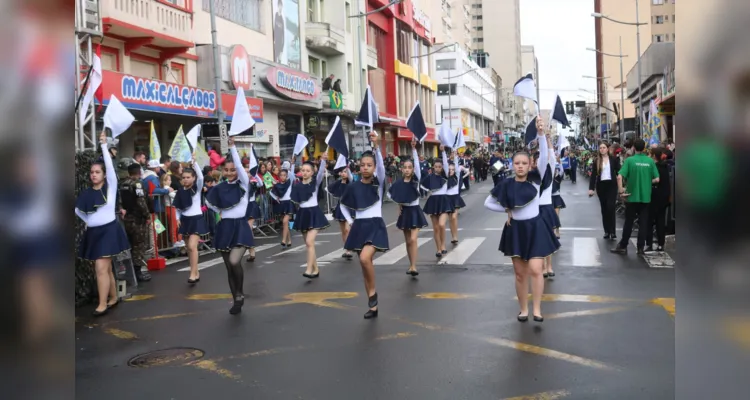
(337, 138)
(117, 118)
(94, 82)
(446, 135)
(558, 113)
(241, 119)
(368, 113)
(300, 143)
(459, 141)
(154, 149)
(192, 137)
(531, 131)
(253, 161)
(415, 123)
(526, 87)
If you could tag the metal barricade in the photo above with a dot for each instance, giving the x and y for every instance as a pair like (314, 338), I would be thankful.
(164, 229)
(268, 220)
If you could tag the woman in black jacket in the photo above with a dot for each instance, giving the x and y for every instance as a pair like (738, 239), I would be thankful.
(603, 181)
(660, 200)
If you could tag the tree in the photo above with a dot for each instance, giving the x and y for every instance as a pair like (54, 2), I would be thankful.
(586, 117)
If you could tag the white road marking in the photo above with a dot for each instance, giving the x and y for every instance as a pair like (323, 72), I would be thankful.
(655, 260)
(462, 252)
(219, 260)
(394, 255)
(326, 259)
(586, 252)
(391, 224)
(298, 248)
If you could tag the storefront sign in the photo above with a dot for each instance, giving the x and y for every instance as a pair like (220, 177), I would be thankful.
(239, 68)
(292, 84)
(152, 95)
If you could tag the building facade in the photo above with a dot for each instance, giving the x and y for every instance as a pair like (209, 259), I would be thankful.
(530, 64)
(466, 96)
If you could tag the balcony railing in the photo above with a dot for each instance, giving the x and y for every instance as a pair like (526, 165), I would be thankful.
(324, 38)
(372, 57)
(170, 18)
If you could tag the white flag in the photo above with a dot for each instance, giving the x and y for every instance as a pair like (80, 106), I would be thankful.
(241, 119)
(94, 81)
(341, 162)
(192, 137)
(300, 144)
(117, 117)
(446, 135)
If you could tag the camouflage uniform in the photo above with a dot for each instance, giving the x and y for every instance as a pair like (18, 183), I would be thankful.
(134, 200)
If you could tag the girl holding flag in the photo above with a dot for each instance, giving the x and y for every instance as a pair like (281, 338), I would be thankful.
(253, 210)
(438, 205)
(190, 222)
(284, 209)
(337, 189)
(456, 175)
(309, 218)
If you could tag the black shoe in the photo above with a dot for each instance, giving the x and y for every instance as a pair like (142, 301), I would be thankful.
(538, 319)
(619, 250)
(412, 273)
(640, 252)
(551, 274)
(372, 302)
(113, 305)
(444, 252)
(454, 241)
(315, 275)
(607, 236)
(193, 281)
(99, 313)
(545, 275)
(306, 275)
(237, 306)
(251, 259)
(613, 237)
(438, 254)
(522, 318)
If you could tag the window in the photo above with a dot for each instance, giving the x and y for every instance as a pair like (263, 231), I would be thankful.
(479, 39)
(314, 66)
(658, 38)
(377, 39)
(673, 19)
(480, 28)
(442, 65)
(348, 20)
(243, 12)
(442, 89)
(666, 37)
(658, 2)
(349, 77)
(414, 51)
(658, 19)
(666, 18)
(476, 17)
(403, 44)
(323, 68)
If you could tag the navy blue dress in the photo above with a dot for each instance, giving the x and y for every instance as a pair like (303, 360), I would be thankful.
(311, 217)
(282, 207)
(337, 189)
(406, 194)
(189, 225)
(438, 202)
(366, 199)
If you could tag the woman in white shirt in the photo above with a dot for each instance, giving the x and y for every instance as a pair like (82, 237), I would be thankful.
(603, 182)
(190, 220)
(233, 235)
(368, 233)
(104, 237)
(411, 219)
(309, 218)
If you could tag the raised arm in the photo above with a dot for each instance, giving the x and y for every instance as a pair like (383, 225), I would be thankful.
(445, 163)
(241, 173)
(417, 167)
(198, 176)
(543, 161)
(457, 167)
(111, 176)
(379, 168)
(321, 172)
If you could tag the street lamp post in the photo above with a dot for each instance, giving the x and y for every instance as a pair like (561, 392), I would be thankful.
(622, 83)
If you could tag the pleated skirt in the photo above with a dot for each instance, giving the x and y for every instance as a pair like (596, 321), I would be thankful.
(108, 240)
(231, 233)
(438, 204)
(527, 239)
(411, 217)
(253, 210)
(193, 225)
(309, 218)
(557, 201)
(367, 232)
(548, 214)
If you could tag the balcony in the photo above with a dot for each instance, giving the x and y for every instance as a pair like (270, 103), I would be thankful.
(372, 58)
(163, 23)
(324, 38)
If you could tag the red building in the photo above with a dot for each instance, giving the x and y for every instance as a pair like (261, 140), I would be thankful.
(402, 42)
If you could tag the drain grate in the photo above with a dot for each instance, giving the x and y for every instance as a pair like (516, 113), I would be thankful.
(174, 355)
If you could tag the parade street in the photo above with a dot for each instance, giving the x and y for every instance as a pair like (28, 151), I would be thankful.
(449, 333)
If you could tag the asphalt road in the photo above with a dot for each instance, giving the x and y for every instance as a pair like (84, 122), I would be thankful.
(450, 333)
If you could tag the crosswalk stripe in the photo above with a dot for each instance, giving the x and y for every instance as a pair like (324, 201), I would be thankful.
(298, 248)
(463, 251)
(328, 258)
(586, 252)
(398, 253)
(219, 260)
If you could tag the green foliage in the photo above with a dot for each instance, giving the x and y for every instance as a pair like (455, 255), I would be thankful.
(85, 283)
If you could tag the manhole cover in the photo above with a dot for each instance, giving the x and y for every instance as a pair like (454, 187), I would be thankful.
(175, 355)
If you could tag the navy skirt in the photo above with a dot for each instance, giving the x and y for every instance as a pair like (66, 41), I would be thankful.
(438, 204)
(285, 207)
(548, 214)
(557, 201)
(411, 217)
(195, 225)
(309, 218)
(253, 210)
(527, 239)
(231, 233)
(339, 216)
(107, 240)
(457, 201)
(367, 231)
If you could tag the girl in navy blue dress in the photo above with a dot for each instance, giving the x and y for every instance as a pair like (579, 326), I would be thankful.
(336, 189)
(283, 208)
(411, 219)
(526, 237)
(233, 235)
(368, 233)
(438, 205)
(557, 200)
(190, 221)
(546, 209)
(456, 174)
(104, 237)
(310, 218)
(253, 210)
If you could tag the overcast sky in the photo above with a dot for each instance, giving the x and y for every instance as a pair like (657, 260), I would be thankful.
(560, 31)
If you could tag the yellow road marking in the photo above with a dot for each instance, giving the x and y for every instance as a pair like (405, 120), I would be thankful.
(209, 365)
(547, 353)
(739, 331)
(444, 295)
(583, 313)
(558, 394)
(666, 303)
(262, 353)
(118, 333)
(152, 318)
(208, 296)
(140, 297)
(316, 298)
(580, 298)
(400, 335)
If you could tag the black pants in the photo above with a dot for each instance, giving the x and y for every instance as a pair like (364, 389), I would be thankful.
(573, 174)
(466, 182)
(633, 210)
(658, 219)
(607, 192)
(495, 179)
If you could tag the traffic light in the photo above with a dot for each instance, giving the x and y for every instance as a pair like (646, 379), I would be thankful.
(569, 108)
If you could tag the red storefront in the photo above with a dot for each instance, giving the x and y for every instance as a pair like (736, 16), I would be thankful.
(383, 28)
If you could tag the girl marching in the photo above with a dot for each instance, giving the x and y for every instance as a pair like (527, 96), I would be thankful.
(456, 174)
(546, 209)
(253, 210)
(104, 237)
(411, 219)
(233, 235)
(438, 205)
(337, 189)
(190, 222)
(368, 233)
(557, 200)
(526, 237)
(309, 218)
(283, 208)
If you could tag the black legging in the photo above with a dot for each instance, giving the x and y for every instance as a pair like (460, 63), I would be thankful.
(235, 273)
(657, 218)
(607, 192)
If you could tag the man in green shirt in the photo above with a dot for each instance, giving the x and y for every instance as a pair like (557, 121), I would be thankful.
(640, 172)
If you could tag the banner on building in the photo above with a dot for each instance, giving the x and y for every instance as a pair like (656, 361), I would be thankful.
(286, 41)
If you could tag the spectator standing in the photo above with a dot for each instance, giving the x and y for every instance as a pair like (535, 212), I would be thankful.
(660, 200)
(640, 172)
(328, 82)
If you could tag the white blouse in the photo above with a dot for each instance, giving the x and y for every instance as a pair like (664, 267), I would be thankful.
(606, 174)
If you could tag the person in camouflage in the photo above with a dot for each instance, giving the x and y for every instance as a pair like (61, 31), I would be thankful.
(134, 199)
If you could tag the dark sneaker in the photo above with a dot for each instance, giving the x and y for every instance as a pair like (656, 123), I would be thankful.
(619, 250)
(640, 252)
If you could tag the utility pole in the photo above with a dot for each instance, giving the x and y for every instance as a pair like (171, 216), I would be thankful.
(640, 76)
(622, 97)
(224, 138)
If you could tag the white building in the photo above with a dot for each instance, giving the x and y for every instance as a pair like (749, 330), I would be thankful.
(466, 95)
